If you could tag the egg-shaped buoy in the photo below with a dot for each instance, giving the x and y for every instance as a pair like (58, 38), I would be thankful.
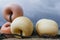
(5, 29)
(22, 25)
(47, 27)
(12, 11)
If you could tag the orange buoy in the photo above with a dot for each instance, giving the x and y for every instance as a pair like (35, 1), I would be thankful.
(10, 12)
(6, 28)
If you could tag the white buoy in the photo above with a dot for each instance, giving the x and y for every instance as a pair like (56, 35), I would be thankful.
(23, 24)
(47, 27)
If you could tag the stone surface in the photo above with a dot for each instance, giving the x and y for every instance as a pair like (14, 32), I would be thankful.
(31, 39)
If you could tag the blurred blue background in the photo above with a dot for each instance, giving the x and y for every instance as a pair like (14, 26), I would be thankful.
(35, 9)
